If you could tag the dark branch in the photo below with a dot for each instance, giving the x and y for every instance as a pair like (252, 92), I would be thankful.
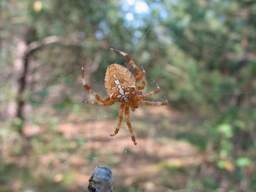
(30, 50)
(48, 41)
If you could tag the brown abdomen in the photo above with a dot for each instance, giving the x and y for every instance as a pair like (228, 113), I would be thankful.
(118, 72)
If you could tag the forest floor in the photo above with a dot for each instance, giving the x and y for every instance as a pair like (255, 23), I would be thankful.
(62, 157)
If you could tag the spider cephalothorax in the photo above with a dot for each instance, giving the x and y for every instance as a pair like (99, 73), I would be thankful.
(124, 85)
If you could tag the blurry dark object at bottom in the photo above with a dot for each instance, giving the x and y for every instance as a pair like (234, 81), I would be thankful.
(100, 180)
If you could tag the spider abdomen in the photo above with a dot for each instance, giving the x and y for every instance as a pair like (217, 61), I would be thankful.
(117, 78)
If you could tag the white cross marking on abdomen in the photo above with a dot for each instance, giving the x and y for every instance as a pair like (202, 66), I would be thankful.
(120, 89)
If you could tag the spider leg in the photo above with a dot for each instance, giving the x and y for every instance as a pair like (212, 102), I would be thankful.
(129, 125)
(120, 119)
(104, 102)
(155, 91)
(154, 103)
(93, 94)
(139, 73)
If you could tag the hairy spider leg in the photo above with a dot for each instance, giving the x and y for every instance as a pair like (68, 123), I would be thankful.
(139, 73)
(98, 99)
(129, 125)
(154, 103)
(155, 91)
(120, 119)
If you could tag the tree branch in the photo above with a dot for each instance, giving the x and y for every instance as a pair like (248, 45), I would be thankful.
(25, 60)
(48, 41)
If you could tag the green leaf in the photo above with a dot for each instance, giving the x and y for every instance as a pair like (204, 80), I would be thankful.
(243, 162)
(226, 130)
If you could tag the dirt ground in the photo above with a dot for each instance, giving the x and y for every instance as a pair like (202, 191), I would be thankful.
(69, 164)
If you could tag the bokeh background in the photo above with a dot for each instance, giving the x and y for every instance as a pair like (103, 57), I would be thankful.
(202, 54)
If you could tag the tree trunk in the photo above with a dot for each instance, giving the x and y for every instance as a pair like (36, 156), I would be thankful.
(22, 85)
(25, 49)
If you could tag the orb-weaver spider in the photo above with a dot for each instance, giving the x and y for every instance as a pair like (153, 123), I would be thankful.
(124, 86)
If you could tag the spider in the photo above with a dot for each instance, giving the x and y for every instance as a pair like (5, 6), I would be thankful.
(123, 85)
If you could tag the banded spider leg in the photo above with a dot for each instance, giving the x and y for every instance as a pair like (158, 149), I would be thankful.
(138, 72)
(105, 102)
(129, 125)
(120, 119)
(154, 103)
